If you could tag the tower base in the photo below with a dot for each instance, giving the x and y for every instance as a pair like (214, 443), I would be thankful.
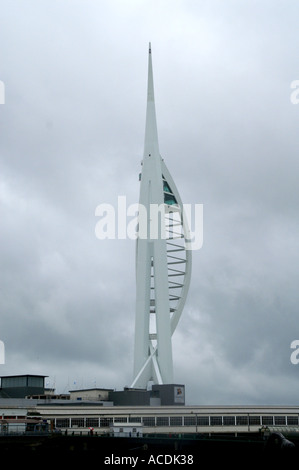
(159, 395)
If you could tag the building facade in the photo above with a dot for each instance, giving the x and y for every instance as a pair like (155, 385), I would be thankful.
(182, 420)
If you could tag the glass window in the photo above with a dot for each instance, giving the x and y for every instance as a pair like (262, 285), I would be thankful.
(292, 420)
(228, 420)
(280, 420)
(203, 420)
(35, 381)
(216, 420)
(62, 422)
(166, 187)
(255, 420)
(105, 422)
(92, 422)
(176, 421)
(169, 199)
(7, 382)
(135, 419)
(241, 420)
(267, 420)
(77, 422)
(120, 419)
(149, 421)
(189, 421)
(162, 421)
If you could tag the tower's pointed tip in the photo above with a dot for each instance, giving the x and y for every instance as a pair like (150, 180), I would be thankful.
(149, 48)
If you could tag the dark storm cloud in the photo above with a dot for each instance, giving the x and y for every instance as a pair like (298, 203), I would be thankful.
(72, 134)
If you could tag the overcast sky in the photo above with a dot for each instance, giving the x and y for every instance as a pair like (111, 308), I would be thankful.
(72, 133)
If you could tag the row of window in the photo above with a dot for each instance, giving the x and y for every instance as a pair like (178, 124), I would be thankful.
(12, 417)
(180, 421)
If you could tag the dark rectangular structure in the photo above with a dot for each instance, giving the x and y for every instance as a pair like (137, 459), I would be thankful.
(130, 397)
(164, 395)
(170, 394)
(20, 386)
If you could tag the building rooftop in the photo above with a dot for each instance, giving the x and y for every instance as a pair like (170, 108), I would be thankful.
(90, 389)
(22, 375)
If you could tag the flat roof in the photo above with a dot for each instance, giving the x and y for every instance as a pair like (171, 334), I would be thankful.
(22, 375)
(173, 410)
(90, 389)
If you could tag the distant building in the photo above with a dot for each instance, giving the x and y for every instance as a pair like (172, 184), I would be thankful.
(26, 405)
(159, 395)
(91, 394)
(20, 386)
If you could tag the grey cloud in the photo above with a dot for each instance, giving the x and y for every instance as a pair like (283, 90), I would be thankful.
(72, 137)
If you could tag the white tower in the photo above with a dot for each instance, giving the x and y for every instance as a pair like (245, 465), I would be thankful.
(163, 264)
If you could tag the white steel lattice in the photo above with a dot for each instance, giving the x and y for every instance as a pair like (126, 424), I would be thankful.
(163, 263)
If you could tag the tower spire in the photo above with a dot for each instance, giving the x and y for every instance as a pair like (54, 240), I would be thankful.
(162, 263)
(151, 144)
